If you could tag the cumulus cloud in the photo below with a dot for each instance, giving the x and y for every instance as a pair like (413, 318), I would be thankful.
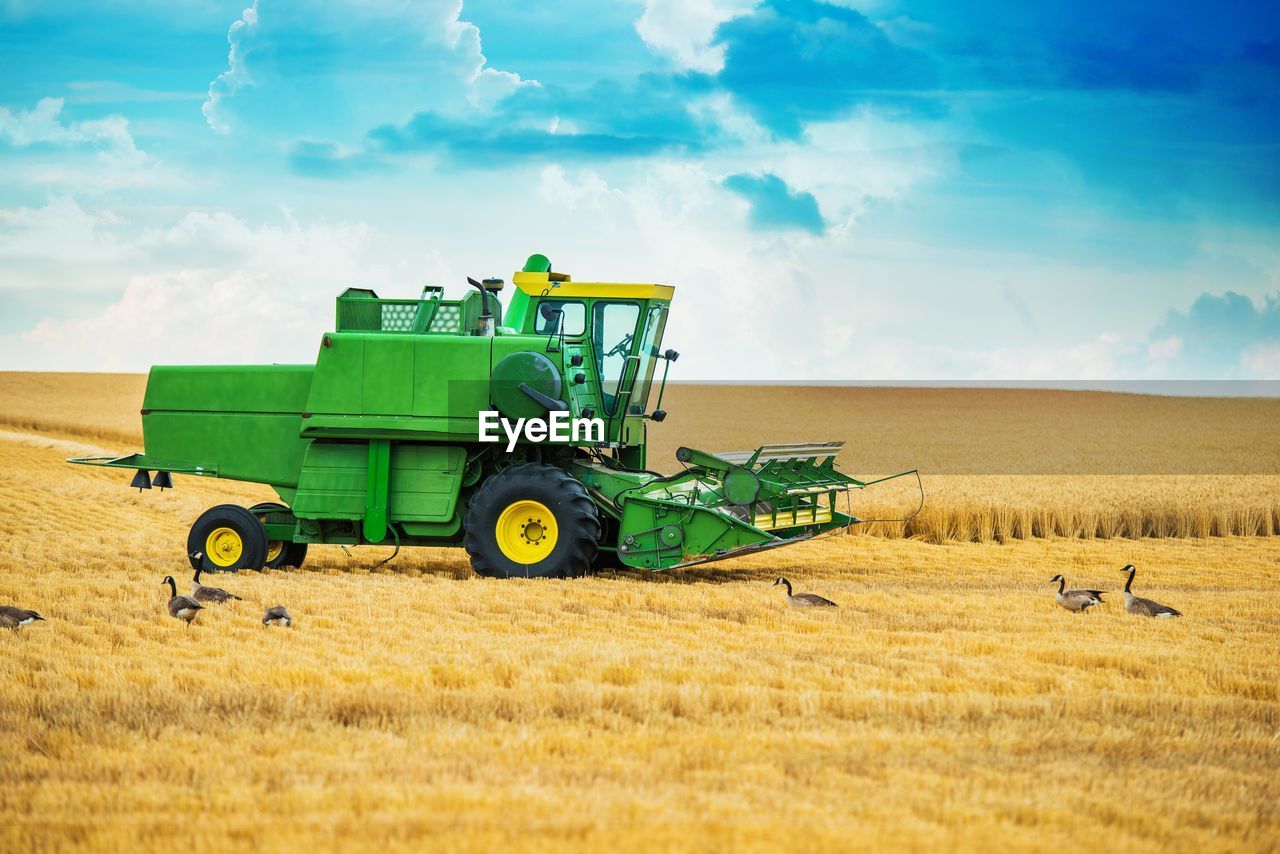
(788, 68)
(1224, 335)
(286, 55)
(54, 150)
(208, 287)
(556, 187)
(61, 246)
(187, 316)
(684, 31)
(1262, 362)
(61, 227)
(671, 215)
(489, 85)
(43, 125)
(236, 76)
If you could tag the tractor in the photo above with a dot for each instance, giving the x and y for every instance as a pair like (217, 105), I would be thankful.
(381, 440)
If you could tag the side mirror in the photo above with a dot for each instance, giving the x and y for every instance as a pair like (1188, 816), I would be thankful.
(671, 355)
(659, 415)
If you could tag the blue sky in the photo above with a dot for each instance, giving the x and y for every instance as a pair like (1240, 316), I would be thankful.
(854, 190)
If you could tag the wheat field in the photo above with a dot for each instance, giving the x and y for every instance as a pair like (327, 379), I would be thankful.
(997, 464)
(949, 703)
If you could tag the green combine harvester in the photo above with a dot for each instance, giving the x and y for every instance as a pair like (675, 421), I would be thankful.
(380, 441)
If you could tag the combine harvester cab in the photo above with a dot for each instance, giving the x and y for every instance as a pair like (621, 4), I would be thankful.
(393, 438)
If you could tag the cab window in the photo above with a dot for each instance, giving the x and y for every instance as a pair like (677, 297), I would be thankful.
(613, 331)
(550, 312)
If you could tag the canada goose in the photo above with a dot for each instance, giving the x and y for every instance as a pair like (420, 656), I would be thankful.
(181, 607)
(1078, 601)
(16, 618)
(804, 600)
(1144, 607)
(204, 593)
(277, 616)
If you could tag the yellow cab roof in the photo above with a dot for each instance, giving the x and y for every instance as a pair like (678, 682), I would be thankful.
(559, 285)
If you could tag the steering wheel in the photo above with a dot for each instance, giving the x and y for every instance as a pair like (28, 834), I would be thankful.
(622, 346)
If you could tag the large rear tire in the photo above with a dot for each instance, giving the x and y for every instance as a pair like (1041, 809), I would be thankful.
(531, 521)
(228, 538)
(280, 552)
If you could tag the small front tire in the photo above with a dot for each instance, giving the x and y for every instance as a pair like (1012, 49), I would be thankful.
(228, 538)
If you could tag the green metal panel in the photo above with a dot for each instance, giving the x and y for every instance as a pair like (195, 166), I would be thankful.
(452, 378)
(388, 375)
(239, 446)
(379, 482)
(204, 414)
(435, 530)
(332, 484)
(425, 481)
(377, 487)
(338, 386)
(407, 427)
(223, 388)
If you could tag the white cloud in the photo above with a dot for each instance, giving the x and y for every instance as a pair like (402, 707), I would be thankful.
(761, 306)
(488, 85)
(43, 124)
(1164, 350)
(185, 316)
(93, 154)
(423, 44)
(61, 227)
(742, 299)
(907, 31)
(556, 188)
(1262, 361)
(61, 245)
(854, 162)
(236, 76)
(683, 30)
(721, 111)
(208, 288)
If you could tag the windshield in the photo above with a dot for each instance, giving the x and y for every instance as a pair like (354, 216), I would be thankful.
(613, 331)
(649, 357)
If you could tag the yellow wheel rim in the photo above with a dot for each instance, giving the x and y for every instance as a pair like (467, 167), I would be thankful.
(223, 546)
(274, 547)
(526, 532)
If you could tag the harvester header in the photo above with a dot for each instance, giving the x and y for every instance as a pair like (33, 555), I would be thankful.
(386, 439)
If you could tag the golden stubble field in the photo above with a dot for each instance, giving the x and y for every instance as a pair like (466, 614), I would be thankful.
(948, 703)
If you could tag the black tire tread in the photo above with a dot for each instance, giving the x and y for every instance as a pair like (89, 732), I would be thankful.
(233, 515)
(575, 515)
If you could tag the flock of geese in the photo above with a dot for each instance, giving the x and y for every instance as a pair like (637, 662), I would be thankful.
(186, 608)
(1077, 601)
